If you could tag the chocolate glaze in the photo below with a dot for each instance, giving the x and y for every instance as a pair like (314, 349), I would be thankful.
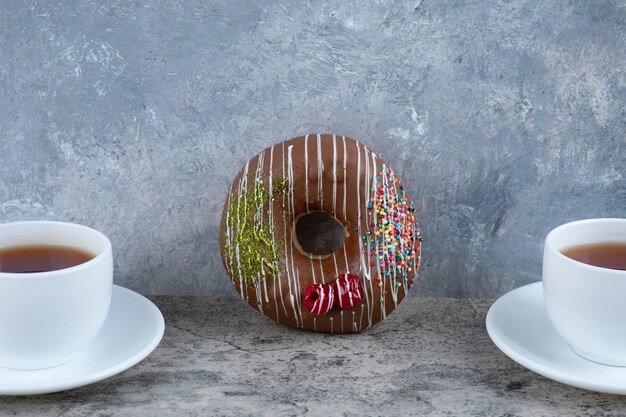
(334, 174)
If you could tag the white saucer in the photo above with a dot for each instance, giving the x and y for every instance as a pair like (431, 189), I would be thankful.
(131, 332)
(518, 324)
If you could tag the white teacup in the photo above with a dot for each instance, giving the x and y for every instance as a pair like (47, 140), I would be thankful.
(586, 304)
(46, 318)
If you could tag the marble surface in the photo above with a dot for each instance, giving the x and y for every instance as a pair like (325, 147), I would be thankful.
(503, 118)
(218, 357)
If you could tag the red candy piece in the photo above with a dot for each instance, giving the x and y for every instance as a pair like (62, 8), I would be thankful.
(348, 289)
(319, 298)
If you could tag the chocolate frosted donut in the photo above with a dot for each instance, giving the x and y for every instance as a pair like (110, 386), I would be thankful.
(318, 233)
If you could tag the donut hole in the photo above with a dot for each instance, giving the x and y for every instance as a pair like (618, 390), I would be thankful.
(318, 234)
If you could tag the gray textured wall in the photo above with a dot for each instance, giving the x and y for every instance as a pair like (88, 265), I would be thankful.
(504, 118)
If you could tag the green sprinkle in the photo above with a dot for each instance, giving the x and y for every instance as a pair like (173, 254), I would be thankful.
(281, 187)
(253, 251)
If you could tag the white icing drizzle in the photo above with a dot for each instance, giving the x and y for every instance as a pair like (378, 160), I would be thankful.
(261, 279)
(313, 272)
(341, 321)
(335, 262)
(362, 259)
(294, 302)
(227, 238)
(243, 185)
(345, 191)
(335, 195)
(373, 208)
(320, 192)
(334, 175)
(295, 272)
(331, 326)
(392, 280)
(361, 319)
(320, 170)
(286, 265)
(241, 286)
(322, 271)
(367, 261)
(298, 297)
(270, 214)
(306, 171)
(362, 267)
(368, 186)
(383, 307)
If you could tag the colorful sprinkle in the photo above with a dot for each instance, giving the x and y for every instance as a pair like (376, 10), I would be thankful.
(393, 229)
